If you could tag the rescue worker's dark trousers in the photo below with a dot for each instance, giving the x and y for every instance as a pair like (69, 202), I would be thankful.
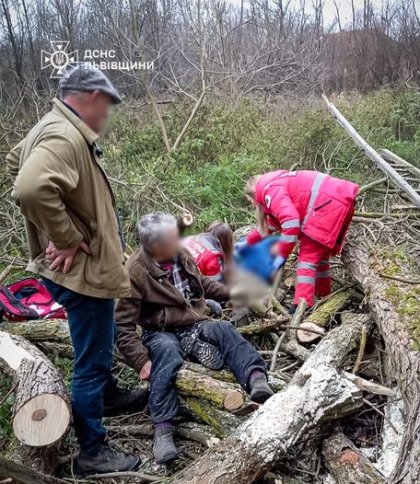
(166, 356)
(92, 329)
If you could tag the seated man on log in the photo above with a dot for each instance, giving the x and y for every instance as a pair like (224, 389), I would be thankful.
(168, 301)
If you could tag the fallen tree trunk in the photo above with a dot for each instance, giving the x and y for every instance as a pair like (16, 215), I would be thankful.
(322, 315)
(347, 464)
(388, 302)
(393, 174)
(222, 423)
(40, 330)
(317, 393)
(202, 434)
(276, 382)
(255, 329)
(58, 329)
(222, 394)
(41, 413)
(25, 475)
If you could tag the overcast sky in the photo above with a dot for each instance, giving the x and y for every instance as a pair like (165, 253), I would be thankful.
(329, 9)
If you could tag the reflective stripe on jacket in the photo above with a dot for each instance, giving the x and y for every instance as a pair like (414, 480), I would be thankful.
(315, 204)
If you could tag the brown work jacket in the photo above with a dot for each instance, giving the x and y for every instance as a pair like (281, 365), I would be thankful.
(65, 197)
(156, 304)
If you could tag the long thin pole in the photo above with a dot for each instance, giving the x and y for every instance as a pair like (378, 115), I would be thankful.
(373, 154)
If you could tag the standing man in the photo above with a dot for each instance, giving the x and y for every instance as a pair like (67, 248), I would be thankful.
(75, 245)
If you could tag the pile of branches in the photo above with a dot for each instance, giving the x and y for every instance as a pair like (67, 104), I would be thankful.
(345, 375)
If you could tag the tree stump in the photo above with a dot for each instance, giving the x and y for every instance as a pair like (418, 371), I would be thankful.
(41, 414)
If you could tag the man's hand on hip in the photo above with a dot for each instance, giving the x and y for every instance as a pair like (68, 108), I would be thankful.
(145, 371)
(64, 257)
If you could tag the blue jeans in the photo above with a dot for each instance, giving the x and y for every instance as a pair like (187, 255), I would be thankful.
(166, 356)
(92, 329)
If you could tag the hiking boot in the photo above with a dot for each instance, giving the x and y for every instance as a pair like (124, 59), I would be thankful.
(164, 448)
(260, 390)
(121, 402)
(205, 353)
(106, 460)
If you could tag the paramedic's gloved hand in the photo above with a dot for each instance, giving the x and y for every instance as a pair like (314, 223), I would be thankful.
(145, 371)
(215, 307)
(62, 259)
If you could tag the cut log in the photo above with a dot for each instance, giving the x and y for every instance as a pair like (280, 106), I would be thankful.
(276, 382)
(387, 302)
(347, 464)
(184, 222)
(222, 394)
(316, 394)
(41, 413)
(19, 473)
(222, 423)
(322, 315)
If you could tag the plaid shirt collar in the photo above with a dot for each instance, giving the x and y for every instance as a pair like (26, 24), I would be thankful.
(178, 276)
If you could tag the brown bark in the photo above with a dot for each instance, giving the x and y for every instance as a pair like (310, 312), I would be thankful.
(347, 464)
(404, 359)
(25, 475)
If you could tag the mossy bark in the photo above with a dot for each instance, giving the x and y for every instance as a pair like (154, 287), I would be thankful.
(40, 330)
(222, 394)
(323, 314)
(395, 323)
(223, 423)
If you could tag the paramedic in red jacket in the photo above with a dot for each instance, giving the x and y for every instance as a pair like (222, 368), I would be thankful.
(212, 250)
(308, 206)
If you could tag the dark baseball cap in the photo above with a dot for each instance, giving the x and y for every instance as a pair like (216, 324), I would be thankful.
(82, 77)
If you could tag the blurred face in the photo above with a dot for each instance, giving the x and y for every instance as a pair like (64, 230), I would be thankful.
(97, 110)
(93, 107)
(168, 247)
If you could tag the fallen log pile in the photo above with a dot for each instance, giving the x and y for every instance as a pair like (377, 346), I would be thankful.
(345, 373)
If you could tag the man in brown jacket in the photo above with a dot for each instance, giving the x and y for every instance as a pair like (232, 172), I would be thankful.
(75, 245)
(168, 301)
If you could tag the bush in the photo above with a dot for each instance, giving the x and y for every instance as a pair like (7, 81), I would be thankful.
(227, 144)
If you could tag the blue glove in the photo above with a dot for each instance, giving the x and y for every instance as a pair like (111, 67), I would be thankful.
(239, 246)
(215, 307)
(257, 258)
(278, 262)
